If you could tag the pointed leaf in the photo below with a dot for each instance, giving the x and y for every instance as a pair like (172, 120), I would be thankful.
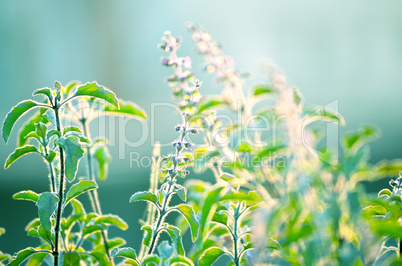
(180, 260)
(210, 102)
(111, 219)
(71, 129)
(21, 256)
(175, 235)
(18, 153)
(89, 229)
(126, 108)
(95, 90)
(103, 158)
(47, 204)
(37, 259)
(26, 195)
(210, 256)
(127, 252)
(73, 153)
(188, 213)
(181, 192)
(45, 91)
(384, 193)
(12, 117)
(30, 126)
(79, 188)
(147, 239)
(144, 195)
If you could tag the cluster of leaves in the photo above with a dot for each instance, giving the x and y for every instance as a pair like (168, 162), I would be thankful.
(62, 147)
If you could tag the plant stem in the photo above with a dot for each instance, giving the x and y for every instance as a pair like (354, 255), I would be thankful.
(161, 217)
(93, 194)
(61, 190)
(235, 236)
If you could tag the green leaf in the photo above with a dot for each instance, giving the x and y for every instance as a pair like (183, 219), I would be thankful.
(89, 229)
(355, 140)
(111, 219)
(46, 235)
(101, 258)
(175, 235)
(210, 256)
(80, 188)
(126, 108)
(387, 228)
(37, 259)
(26, 195)
(389, 168)
(103, 158)
(181, 192)
(73, 153)
(385, 193)
(250, 197)
(18, 153)
(47, 204)
(144, 195)
(77, 207)
(127, 252)
(45, 91)
(317, 113)
(50, 116)
(270, 150)
(149, 231)
(209, 103)
(262, 90)
(220, 217)
(30, 126)
(188, 213)
(165, 250)
(70, 258)
(95, 90)
(180, 260)
(70, 86)
(71, 129)
(2, 231)
(12, 117)
(22, 255)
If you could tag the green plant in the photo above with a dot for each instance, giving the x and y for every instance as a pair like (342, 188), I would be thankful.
(62, 148)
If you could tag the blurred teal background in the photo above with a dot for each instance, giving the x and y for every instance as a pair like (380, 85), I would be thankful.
(350, 51)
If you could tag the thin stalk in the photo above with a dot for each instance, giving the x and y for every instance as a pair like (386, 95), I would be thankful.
(235, 236)
(61, 190)
(93, 194)
(161, 217)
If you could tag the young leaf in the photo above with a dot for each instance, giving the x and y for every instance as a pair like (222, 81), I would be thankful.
(37, 259)
(250, 198)
(73, 152)
(71, 129)
(89, 229)
(50, 116)
(355, 140)
(188, 213)
(126, 108)
(144, 195)
(12, 117)
(147, 239)
(21, 256)
(95, 90)
(181, 191)
(210, 256)
(47, 204)
(220, 217)
(385, 193)
(175, 235)
(210, 102)
(103, 158)
(70, 258)
(26, 195)
(111, 219)
(45, 91)
(45, 235)
(30, 126)
(127, 252)
(19, 152)
(79, 188)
